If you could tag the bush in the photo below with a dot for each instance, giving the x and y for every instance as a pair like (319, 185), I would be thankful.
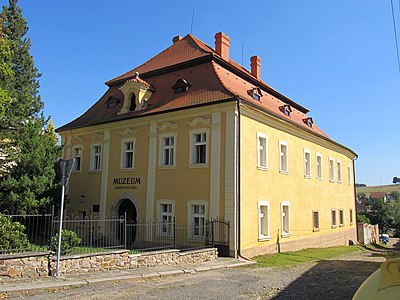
(69, 240)
(12, 235)
(361, 218)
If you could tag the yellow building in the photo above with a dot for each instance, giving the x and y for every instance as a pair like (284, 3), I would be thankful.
(192, 135)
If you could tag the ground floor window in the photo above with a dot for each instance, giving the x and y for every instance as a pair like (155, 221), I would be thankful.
(341, 217)
(333, 217)
(263, 220)
(166, 217)
(197, 210)
(351, 216)
(315, 220)
(285, 209)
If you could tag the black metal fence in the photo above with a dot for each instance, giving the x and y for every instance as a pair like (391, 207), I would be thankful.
(97, 235)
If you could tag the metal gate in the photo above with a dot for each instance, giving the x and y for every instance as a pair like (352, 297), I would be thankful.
(218, 235)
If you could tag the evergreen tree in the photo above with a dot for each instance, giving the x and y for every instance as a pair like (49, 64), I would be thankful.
(28, 144)
(6, 75)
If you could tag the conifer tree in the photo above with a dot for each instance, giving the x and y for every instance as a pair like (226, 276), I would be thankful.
(28, 145)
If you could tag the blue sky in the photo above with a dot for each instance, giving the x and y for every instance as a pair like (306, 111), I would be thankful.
(337, 58)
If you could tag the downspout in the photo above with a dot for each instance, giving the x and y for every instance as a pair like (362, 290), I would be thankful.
(355, 197)
(238, 176)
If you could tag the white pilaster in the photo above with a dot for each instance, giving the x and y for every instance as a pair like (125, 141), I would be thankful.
(105, 157)
(215, 165)
(151, 171)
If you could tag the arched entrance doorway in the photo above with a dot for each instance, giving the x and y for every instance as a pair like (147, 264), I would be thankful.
(127, 208)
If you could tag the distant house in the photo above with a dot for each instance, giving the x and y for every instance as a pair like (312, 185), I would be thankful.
(378, 196)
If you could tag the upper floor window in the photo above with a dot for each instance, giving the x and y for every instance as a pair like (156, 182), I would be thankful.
(263, 220)
(262, 152)
(319, 165)
(308, 121)
(199, 140)
(255, 93)
(167, 148)
(307, 163)
(283, 153)
(286, 109)
(77, 154)
(128, 154)
(96, 157)
(181, 86)
(348, 175)
(339, 171)
(331, 170)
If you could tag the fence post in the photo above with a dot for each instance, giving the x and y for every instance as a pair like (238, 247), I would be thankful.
(174, 232)
(91, 232)
(212, 233)
(125, 228)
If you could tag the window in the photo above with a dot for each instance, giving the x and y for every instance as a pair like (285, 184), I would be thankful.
(285, 210)
(166, 217)
(283, 152)
(339, 171)
(315, 220)
(351, 216)
(263, 220)
(319, 166)
(331, 170)
(308, 121)
(181, 86)
(307, 163)
(199, 146)
(333, 217)
(198, 220)
(341, 217)
(262, 153)
(167, 149)
(348, 175)
(255, 93)
(112, 102)
(96, 157)
(77, 154)
(286, 109)
(132, 106)
(128, 151)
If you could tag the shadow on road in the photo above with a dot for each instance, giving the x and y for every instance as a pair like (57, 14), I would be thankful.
(330, 279)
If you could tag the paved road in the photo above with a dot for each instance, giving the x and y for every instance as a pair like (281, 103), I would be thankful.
(329, 279)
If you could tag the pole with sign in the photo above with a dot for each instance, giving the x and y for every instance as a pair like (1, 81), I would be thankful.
(66, 168)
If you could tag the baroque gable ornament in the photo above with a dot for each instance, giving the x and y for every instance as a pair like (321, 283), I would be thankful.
(167, 125)
(77, 138)
(199, 120)
(128, 132)
(97, 136)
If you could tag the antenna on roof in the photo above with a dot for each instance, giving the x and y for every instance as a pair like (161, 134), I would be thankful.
(191, 26)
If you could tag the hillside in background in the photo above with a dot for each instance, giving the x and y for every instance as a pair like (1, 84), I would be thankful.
(379, 188)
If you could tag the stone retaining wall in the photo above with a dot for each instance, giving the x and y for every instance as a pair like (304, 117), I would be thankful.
(43, 264)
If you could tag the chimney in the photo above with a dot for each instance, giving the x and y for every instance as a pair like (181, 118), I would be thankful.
(222, 45)
(255, 66)
(176, 38)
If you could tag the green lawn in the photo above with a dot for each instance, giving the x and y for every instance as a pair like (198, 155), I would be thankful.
(292, 259)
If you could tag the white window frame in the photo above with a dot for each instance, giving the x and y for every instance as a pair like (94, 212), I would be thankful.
(163, 148)
(192, 134)
(339, 171)
(94, 166)
(191, 215)
(284, 161)
(315, 228)
(263, 235)
(262, 151)
(285, 233)
(333, 214)
(331, 169)
(124, 152)
(307, 163)
(318, 165)
(162, 229)
(75, 156)
(341, 217)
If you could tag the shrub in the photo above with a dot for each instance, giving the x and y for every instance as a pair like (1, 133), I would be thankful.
(363, 219)
(69, 240)
(12, 235)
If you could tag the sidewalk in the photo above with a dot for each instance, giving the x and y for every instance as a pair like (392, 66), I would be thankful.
(25, 284)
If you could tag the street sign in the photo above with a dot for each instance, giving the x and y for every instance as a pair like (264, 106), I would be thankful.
(66, 169)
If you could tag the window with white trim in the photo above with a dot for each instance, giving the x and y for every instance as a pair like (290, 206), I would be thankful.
(197, 217)
(315, 220)
(199, 141)
(77, 155)
(262, 150)
(128, 154)
(331, 170)
(167, 149)
(339, 170)
(319, 165)
(341, 217)
(348, 175)
(285, 213)
(283, 157)
(333, 218)
(307, 163)
(96, 158)
(263, 220)
(166, 217)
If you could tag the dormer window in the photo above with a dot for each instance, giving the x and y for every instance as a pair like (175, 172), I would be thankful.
(255, 92)
(112, 102)
(181, 86)
(136, 94)
(308, 121)
(286, 109)
(132, 107)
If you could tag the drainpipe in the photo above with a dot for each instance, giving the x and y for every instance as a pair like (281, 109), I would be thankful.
(238, 177)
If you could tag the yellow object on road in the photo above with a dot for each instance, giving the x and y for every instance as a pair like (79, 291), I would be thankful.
(384, 283)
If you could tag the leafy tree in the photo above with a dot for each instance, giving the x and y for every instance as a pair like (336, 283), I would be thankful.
(396, 180)
(380, 213)
(362, 218)
(27, 139)
(395, 196)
